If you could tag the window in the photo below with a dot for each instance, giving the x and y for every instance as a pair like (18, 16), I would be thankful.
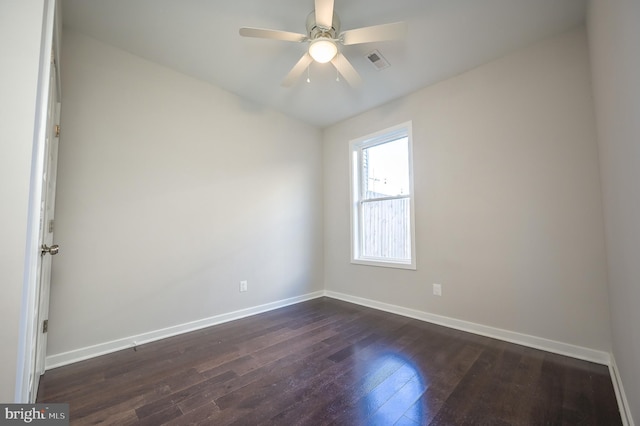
(382, 212)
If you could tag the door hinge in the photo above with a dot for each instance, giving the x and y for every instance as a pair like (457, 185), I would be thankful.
(57, 130)
(45, 326)
(51, 226)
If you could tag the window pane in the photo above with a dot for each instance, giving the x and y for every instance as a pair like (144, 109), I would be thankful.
(386, 229)
(386, 169)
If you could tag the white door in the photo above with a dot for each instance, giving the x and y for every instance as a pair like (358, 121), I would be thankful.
(47, 225)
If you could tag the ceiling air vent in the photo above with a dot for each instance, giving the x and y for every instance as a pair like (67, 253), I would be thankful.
(378, 61)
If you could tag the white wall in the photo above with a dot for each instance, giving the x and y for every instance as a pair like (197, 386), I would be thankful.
(171, 191)
(508, 206)
(21, 30)
(614, 35)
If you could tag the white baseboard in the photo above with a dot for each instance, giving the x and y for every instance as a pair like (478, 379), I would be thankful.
(81, 354)
(65, 358)
(592, 355)
(623, 403)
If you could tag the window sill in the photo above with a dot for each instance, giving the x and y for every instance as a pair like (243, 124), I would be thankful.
(384, 264)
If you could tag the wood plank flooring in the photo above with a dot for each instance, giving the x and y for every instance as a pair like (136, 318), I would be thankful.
(331, 362)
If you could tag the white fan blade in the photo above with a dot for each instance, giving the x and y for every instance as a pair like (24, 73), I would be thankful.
(345, 68)
(324, 13)
(272, 34)
(297, 70)
(395, 31)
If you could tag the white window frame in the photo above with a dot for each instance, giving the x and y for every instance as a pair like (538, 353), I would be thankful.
(356, 147)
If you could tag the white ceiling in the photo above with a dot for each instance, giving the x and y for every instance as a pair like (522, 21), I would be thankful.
(200, 38)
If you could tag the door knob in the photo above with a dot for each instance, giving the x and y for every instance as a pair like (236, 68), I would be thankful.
(53, 250)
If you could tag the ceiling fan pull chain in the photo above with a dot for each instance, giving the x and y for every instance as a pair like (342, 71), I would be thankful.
(309, 73)
(337, 75)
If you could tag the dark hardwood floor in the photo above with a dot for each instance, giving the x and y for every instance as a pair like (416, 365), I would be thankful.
(331, 362)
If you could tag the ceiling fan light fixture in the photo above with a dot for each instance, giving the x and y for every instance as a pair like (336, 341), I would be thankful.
(323, 49)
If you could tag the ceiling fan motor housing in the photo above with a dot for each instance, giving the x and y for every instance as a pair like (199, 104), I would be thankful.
(316, 31)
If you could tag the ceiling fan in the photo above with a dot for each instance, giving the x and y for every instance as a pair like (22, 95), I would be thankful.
(324, 36)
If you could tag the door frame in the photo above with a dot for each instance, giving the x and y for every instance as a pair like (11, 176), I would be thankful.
(25, 369)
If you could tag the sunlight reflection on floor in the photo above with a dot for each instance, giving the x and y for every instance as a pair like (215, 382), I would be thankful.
(393, 396)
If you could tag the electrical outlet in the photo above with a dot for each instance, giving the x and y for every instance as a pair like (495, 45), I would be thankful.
(243, 286)
(437, 289)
